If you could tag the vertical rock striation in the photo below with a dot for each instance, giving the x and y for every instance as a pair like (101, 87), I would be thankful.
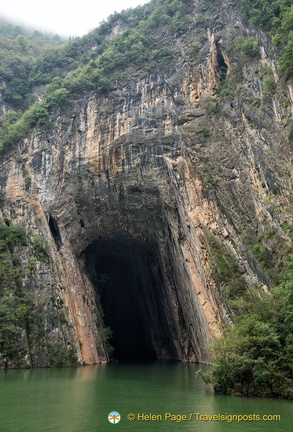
(132, 187)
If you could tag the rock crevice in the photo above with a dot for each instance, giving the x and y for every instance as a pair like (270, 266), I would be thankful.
(130, 190)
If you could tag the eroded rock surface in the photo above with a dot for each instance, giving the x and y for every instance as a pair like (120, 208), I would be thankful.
(128, 188)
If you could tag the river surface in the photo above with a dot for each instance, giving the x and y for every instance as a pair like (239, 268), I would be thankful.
(154, 394)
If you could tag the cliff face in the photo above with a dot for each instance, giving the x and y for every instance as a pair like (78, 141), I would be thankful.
(137, 191)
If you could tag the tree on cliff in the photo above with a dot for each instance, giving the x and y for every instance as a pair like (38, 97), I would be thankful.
(255, 355)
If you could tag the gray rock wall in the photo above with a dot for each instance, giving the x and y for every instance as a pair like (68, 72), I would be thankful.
(153, 170)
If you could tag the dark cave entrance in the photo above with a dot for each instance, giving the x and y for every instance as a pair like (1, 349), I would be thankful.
(128, 282)
(55, 231)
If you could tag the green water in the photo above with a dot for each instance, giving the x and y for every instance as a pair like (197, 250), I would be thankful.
(80, 399)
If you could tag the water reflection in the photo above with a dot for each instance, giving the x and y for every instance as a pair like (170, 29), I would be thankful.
(79, 400)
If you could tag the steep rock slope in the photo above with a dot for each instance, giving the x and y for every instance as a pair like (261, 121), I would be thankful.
(158, 204)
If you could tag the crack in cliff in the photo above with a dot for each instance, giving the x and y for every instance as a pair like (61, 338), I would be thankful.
(55, 231)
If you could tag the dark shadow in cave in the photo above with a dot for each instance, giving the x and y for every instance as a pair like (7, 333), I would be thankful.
(127, 279)
(222, 66)
(55, 231)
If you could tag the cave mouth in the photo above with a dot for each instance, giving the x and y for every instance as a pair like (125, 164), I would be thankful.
(128, 282)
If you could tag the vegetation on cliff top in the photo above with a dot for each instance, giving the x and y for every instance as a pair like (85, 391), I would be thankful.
(275, 18)
(20, 53)
(97, 62)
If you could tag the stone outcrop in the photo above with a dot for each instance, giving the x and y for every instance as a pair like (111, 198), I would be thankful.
(128, 188)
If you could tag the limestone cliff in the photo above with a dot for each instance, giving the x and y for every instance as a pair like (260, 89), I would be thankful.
(138, 192)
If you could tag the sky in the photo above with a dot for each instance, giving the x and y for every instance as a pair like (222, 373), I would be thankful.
(63, 17)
